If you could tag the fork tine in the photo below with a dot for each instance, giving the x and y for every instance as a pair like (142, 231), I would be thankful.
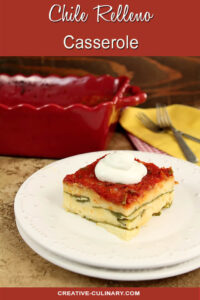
(164, 116)
(167, 115)
(159, 115)
(150, 123)
(143, 119)
(164, 120)
(147, 122)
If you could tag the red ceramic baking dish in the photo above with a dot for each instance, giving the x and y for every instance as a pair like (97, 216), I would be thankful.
(58, 117)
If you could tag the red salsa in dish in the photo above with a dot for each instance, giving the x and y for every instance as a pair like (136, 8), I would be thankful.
(120, 194)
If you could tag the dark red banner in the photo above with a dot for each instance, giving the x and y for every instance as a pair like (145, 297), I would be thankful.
(106, 293)
(70, 27)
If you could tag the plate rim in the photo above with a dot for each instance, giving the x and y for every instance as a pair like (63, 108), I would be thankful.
(92, 262)
(113, 274)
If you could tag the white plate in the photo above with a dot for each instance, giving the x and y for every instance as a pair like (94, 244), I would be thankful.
(169, 239)
(122, 275)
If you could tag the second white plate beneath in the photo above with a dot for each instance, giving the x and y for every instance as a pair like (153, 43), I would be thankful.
(169, 239)
(120, 275)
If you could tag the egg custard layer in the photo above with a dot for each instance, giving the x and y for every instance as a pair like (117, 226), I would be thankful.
(120, 209)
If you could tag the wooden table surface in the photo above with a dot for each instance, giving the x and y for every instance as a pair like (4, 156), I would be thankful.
(166, 79)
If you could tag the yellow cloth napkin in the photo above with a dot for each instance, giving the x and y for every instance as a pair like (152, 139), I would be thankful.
(184, 118)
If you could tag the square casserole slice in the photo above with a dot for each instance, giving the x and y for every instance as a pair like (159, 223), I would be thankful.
(119, 208)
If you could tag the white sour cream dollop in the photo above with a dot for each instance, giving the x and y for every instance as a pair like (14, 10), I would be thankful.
(120, 167)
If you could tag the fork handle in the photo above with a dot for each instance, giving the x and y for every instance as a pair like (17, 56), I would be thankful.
(191, 137)
(184, 147)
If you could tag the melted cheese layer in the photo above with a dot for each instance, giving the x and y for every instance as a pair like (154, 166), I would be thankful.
(97, 201)
(123, 227)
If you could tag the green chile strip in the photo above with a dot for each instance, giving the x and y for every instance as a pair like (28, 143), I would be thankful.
(123, 217)
(120, 217)
(80, 198)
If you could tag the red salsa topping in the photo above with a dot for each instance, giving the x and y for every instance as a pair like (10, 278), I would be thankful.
(120, 194)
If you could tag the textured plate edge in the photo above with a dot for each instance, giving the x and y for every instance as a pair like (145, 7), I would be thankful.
(70, 256)
(34, 246)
